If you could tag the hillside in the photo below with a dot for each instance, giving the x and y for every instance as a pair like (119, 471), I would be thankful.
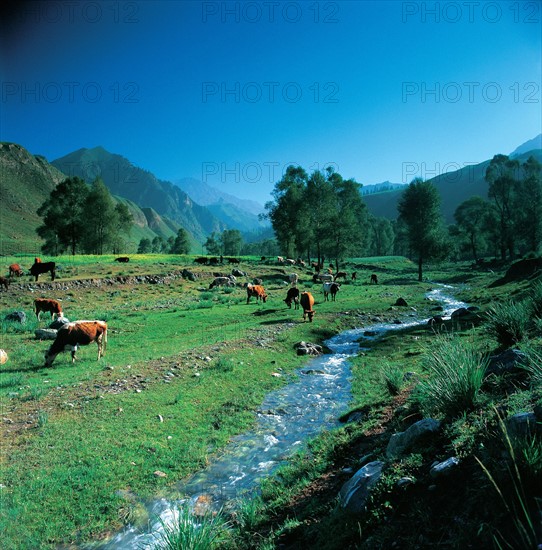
(25, 183)
(142, 187)
(454, 188)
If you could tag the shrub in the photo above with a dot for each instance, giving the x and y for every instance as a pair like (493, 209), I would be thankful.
(509, 322)
(456, 370)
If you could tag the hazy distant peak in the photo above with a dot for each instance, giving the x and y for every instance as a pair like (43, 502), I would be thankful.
(531, 145)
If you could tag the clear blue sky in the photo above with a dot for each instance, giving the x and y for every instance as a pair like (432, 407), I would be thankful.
(232, 92)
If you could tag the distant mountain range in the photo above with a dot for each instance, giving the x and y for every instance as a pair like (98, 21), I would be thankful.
(162, 207)
(454, 187)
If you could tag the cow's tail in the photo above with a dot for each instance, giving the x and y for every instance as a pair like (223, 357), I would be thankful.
(104, 339)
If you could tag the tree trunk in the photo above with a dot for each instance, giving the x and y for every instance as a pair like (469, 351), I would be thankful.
(420, 269)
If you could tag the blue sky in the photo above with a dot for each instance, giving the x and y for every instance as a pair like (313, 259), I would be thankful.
(233, 92)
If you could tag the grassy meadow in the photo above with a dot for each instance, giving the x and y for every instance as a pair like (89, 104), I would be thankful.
(185, 370)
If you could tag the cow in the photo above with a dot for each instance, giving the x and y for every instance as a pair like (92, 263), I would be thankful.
(43, 267)
(4, 281)
(223, 281)
(15, 269)
(257, 281)
(280, 259)
(289, 261)
(330, 288)
(234, 260)
(258, 291)
(78, 333)
(340, 275)
(374, 279)
(322, 277)
(37, 260)
(307, 301)
(122, 259)
(202, 260)
(48, 306)
(292, 296)
(294, 278)
(354, 276)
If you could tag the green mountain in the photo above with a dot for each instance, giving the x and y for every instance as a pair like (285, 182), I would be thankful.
(25, 183)
(454, 188)
(142, 187)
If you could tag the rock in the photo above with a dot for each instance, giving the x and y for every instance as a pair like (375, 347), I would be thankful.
(58, 323)
(435, 321)
(461, 312)
(521, 425)
(404, 482)
(507, 362)
(45, 333)
(306, 348)
(442, 469)
(187, 274)
(401, 302)
(17, 317)
(355, 492)
(158, 473)
(402, 442)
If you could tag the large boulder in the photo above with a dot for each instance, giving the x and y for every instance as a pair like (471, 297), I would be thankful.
(17, 317)
(355, 492)
(45, 333)
(59, 322)
(402, 442)
(507, 362)
(306, 348)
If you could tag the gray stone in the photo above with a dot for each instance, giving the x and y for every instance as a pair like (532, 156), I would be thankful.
(402, 442)
(521, 425)
(355, 492)
(442, 469)
(59, 322)
(17, 317)
(45, 333)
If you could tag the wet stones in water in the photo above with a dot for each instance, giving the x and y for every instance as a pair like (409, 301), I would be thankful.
(307, 348)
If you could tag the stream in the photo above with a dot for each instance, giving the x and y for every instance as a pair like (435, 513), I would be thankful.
(287, 418)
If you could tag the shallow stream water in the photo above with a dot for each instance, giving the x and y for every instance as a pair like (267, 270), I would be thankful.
(286, 419)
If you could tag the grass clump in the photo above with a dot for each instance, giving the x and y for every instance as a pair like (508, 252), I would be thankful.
(456, 370)
(191, 532)
(509, 322)
(393, 378)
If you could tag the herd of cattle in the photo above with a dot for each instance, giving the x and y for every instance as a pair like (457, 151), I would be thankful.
(70, 335)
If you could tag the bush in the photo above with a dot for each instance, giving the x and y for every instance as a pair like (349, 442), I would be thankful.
(456, 370)
(509, 322)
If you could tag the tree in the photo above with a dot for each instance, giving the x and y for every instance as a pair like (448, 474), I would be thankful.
(382, 236)
(123, 225)
(232, 241)
(145, 246)
(419, 209)
(528, 205)
(213, 244)
(471, 216)
(502, 176)
(63, 225)
(181, 245)
(99, 218)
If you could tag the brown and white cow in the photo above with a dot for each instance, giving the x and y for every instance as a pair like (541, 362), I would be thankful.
(292, 296)
(4, 281)
(258, 291)
(15, 269)
(330, 288)
(48, 306)
(78, 333)
(307, 302)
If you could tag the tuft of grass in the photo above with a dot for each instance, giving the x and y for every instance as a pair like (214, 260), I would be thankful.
(509, 322)
(190, 532)
(393, 378)
(11, 381)
(456, 370)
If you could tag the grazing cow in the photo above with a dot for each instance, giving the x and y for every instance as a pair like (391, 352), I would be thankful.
(257, 281)
(258, 291)
(330, 288)
(294, 278)
(317, 266)
(37, 260)
(4, 281)
(354, 276)
(48, 306)
(43, 267)
(322, 277)
(233, 260)
(221, 281)
(289, 261)
(122, 259)
(262, 259)
(202, 260)
(307, 301)
(374, 279)
(292, 296)
(78, 333)
(280, 259)
(15, 269)
(340, 274)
